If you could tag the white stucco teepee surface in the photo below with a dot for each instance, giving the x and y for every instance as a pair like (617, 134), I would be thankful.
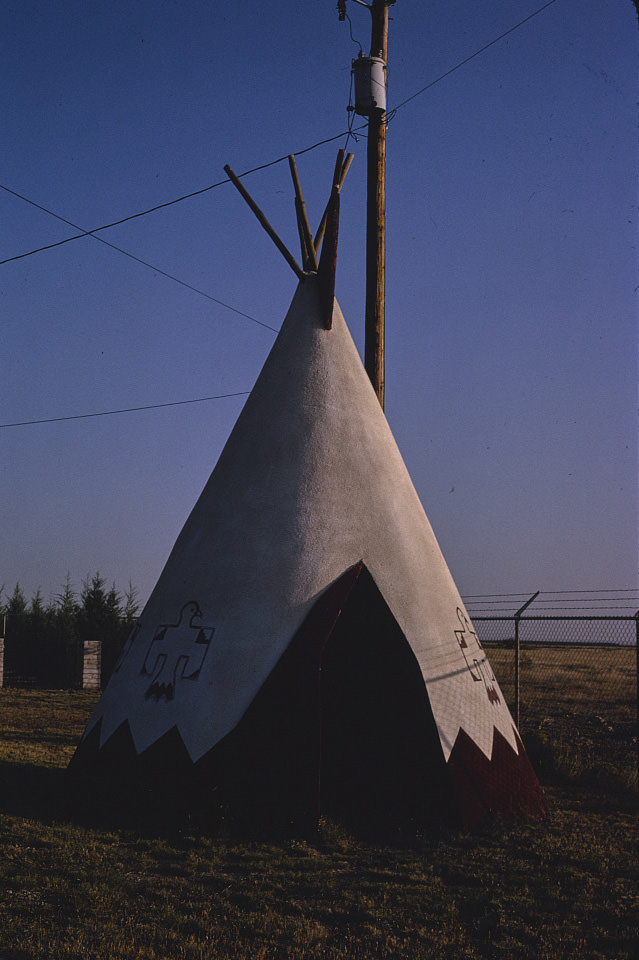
(309, 483)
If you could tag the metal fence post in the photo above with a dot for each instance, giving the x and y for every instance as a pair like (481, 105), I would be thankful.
(553, 647)
(637, 683)
(4, 633)
(517, 618)
(517, 671)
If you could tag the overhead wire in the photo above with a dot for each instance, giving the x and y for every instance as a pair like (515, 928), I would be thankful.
(93, 233)
(144, 213)
(132, 256)
(353, 38)
(351, 117)
(483, 49)
(347, 133)
(110, 413)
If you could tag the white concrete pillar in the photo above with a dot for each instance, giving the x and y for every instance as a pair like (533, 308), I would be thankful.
(91, 665)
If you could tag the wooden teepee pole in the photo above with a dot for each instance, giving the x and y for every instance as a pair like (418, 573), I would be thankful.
(341, 169)
(309, 258)
(288, 256)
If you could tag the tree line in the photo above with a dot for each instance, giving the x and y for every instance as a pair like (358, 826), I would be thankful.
(44, 639)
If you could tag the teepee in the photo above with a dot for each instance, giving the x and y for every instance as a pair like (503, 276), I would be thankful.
(305, 651)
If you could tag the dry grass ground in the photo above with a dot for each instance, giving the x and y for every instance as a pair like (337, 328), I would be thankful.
(565, 888)
(581, 700)
(571, 679)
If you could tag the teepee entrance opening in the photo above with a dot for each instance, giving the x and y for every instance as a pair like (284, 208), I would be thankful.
(380, 761)
(341, 729)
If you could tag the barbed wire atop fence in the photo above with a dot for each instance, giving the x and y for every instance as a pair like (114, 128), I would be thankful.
(570, 603)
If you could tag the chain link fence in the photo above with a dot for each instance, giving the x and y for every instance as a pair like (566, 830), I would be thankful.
(570, 681)
(568, 673)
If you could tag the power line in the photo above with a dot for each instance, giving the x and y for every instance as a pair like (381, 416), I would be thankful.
(110, 413)
(161, 206)
(126, 253)
(483, 49)
(143, 213)
(92, 233)
(133, 257)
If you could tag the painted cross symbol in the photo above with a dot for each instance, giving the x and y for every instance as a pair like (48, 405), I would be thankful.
(479, 669)
(176, 653)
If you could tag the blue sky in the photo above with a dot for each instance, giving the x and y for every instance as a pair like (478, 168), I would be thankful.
(511, 286)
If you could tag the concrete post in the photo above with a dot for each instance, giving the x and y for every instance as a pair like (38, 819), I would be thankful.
(91, 665)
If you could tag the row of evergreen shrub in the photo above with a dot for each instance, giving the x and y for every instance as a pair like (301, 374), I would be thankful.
(44, 639)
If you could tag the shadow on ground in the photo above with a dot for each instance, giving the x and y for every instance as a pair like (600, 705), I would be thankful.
(31, 791)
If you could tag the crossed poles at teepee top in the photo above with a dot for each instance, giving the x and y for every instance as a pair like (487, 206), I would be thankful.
(327, 232)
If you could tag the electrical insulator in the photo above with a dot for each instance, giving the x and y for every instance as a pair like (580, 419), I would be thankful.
(370, 85)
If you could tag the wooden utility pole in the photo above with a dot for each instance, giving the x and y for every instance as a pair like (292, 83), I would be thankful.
(376, 217)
